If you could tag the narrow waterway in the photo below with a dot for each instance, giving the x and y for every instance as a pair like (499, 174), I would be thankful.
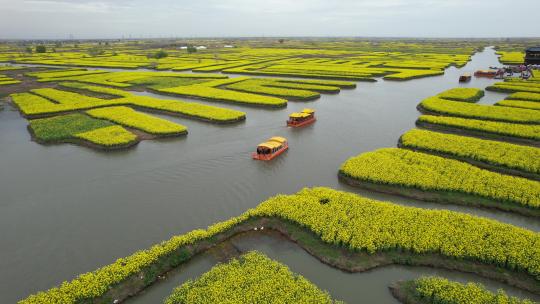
(66, 209)
(366, 287)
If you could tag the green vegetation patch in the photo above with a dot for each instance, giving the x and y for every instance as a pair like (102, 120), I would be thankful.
(252, 278)
(462, 94)
(65, 126)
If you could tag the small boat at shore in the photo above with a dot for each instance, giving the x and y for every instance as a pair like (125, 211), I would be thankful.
(485, 73)
(465, 77)
(271, 148)
(300, 119)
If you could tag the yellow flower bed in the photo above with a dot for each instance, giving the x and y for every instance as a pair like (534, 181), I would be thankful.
(487, 112)
(525, 96)
(108, 136)
(523, 158)
(128, 117)
(193, 109)
(31, 104)
(252, 278)
(462, 94)
(206, 92)
(413, 74)
(425, 172)
(436, 290)
(341, 219)
(524, 104)
(488, 127)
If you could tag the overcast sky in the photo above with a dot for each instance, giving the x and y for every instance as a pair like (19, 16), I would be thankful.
(213, 18)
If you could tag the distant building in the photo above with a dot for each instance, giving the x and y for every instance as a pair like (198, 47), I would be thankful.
(228, 46)
(201, 47)
(183, 47)
(532, 55)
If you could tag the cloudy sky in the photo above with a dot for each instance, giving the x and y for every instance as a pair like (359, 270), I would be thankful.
(213, 18)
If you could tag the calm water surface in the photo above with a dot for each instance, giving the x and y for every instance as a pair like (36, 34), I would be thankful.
(66, 209)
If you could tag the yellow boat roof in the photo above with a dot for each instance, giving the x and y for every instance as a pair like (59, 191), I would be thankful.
(299, 115)
(278, 139)
(308, 111)
(270, 144)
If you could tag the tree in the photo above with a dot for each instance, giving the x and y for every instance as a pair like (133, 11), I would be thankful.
(281, 41)
(160, 54)
(191, 49)
(96, 51)
(28, 50)
(41, 49)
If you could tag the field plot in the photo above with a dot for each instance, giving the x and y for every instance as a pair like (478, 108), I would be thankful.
(462, 94)
(448, 169)
(214, 87)
(439, 179)
(344, 230)
(343, 60)
(524, 104)
(5, 80)
(494, 155)
(512, 132)
(529, 86)
(252, 278)
(436, 105)
(48, 102)
(434, 290)
(81, 129)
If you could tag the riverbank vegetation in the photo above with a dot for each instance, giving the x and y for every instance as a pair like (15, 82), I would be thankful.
(462, 94)
(128, 117)
(510, 131)
(74, 128)
(437, 290)
(340, 220)
(489, 153)
(477, 111)
(252, 278)
(440, 179)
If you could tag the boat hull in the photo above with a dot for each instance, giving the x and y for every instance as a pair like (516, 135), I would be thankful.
(267, 157)
(301, 124)
(465, 78)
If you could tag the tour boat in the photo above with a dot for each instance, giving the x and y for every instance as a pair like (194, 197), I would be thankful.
(270, 149)
(300, 119)
(485, 73)
(465, 77)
